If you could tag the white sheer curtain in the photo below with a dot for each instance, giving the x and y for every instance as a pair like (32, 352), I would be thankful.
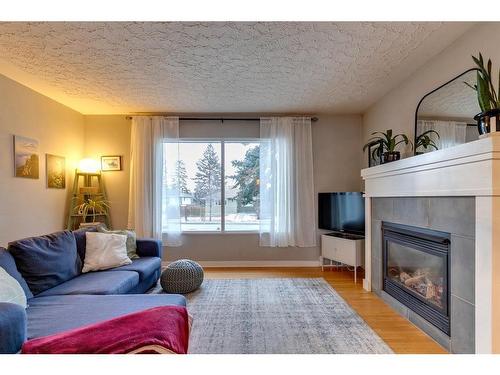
(154, 194)
(451, 133)
(286, 183)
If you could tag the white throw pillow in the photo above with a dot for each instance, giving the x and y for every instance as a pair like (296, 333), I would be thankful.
(105, 251)
(10, 290)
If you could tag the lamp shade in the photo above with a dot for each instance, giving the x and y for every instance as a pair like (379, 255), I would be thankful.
(89, 166)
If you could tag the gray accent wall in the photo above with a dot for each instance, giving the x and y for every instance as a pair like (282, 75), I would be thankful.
(455, 215)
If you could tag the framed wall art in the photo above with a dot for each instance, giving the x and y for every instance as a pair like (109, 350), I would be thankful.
(26, 159)
(111, 163)
(56, 171)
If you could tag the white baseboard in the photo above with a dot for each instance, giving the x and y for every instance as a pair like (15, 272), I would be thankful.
(258, 263)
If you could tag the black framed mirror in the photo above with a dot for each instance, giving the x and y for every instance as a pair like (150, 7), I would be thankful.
(445, 116)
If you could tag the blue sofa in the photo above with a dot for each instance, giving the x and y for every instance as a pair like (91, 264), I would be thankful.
(79, 300)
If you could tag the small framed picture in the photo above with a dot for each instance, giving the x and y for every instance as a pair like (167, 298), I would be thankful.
(56, 171)
(111, 163)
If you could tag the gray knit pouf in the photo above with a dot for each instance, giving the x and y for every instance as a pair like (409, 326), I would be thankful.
(182, 276)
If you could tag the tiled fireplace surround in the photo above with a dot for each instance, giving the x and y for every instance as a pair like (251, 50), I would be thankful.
(454, 215)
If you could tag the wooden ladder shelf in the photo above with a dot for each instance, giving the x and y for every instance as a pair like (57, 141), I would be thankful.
(87, 186)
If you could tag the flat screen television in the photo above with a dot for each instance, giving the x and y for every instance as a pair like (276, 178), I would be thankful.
(343, 212)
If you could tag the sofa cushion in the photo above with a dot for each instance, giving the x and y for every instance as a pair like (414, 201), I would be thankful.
(8, 263)
(105, 251)
(46, 261)
(131, 240)
(81, 240)
(149, 247)
(144, 266)
(12, 328)
(102, 282)
(49, 315)
(146, 284)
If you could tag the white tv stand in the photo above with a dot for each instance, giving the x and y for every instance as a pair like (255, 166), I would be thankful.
(347, 249)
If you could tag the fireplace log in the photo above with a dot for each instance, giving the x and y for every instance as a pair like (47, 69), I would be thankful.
(414, 280)
(431, 290)
(404, 276)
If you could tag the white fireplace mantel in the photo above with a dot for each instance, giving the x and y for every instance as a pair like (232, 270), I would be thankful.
(471, 169)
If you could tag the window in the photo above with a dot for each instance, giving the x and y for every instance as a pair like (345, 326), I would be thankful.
(241, 186)
(219, 185)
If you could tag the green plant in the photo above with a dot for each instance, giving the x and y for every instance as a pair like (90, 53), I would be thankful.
(92, 207)
(385, 142)
(424, 140)
(486, 94)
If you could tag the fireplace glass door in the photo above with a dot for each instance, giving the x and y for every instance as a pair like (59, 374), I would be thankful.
(418, 271)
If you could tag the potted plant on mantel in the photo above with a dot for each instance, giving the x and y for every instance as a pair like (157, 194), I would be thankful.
(425, 141)
(385, 145)
(487, 97)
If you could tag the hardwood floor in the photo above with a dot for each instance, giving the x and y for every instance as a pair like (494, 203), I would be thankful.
(397, 332)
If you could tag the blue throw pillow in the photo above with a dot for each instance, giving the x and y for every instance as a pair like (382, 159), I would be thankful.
(46, 261)
(81, 240)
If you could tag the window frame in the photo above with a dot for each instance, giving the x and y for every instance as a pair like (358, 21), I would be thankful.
(222, 142)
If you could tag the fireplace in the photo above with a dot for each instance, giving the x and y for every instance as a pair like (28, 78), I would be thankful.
(416, 267)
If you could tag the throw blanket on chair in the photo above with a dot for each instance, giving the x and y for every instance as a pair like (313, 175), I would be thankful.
(158, 330)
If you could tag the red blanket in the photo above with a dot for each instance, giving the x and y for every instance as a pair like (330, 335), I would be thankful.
(158, 330)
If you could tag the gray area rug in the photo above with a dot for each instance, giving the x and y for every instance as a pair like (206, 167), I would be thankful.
(293, 315)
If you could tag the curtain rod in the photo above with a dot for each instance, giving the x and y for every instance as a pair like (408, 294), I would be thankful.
(221, 119)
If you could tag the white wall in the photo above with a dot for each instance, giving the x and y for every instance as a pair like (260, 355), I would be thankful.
(28, 207)
(337, 161)
(396, 110)
(110, 135)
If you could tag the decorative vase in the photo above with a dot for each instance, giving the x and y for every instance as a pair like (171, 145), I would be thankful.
(488, 121)
(389, 156)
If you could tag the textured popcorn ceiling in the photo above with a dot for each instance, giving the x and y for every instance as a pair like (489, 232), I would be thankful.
(218, 67)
